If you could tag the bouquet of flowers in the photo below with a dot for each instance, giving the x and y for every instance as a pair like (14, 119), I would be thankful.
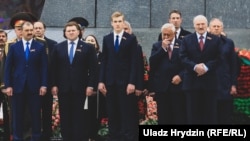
(150, 112)
(55, 118)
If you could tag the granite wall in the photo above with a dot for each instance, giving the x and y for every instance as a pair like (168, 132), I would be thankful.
(147, 16)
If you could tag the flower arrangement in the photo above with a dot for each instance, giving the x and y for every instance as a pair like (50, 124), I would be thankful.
(150, 113)
(243, 87)
(103, 131)
(56, 118)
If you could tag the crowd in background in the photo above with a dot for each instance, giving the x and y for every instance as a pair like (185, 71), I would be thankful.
(192, 77)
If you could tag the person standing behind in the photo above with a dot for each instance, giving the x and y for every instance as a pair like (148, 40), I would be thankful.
(39, 34)
(141, 86)
(3, 99)
(96, 101)
(166, 73)
(117, 81)
(200, 53)
(175, 18)
(227, 73)
(73, 72)
(25, 80)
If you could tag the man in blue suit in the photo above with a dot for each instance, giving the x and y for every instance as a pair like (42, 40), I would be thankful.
(200, 52)
(26, 81)
(228, 72)
(73, 72)
(166, 72)
(117, 81)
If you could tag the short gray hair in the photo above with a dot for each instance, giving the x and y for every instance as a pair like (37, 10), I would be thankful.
(200, 17)
(168, 25)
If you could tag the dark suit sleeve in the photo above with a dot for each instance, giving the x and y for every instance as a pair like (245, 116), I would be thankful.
(103, 61)
(53, 65)
(133, 67)
(188, 64)
(157, 53)
(140, 70)
(234, 64)
(92, 67)
(44, 65)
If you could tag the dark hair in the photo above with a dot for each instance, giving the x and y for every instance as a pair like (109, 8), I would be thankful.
(72, 24)
(174, 11)
(44, 26)
(2, 31)
(97, 44)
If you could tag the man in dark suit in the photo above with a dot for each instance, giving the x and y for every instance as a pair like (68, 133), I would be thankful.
(39, 31)
(200, 52)
(175, 18)
(166, 74)
(117, 81)
(26, 81)
(228, 72)
(73, 68)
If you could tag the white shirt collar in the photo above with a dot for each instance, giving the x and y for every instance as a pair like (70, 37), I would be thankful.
(75, 41)
(24, 43)
(119, 34)
(178, 33)
(204, 35)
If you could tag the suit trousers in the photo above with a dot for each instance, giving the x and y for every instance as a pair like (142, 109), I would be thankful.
(122, 111)
(19, 101)
(201, 106)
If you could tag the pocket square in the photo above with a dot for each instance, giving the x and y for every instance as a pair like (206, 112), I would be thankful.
(32, 50)
(176, 47)
(124, 38)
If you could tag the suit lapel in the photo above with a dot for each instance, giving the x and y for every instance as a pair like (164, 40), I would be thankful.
(79, 48)
(196, 41)
(175, 52)
(207, 41)
(21, 49)
(123, 40)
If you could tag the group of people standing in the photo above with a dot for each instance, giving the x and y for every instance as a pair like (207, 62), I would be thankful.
(190, 76)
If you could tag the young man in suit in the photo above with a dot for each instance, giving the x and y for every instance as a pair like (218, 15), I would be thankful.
(200, 53)
(117, 81)
(166, 72)
(73, 77)
(25, 80)
(175, 18)
(228, 72)
(39, 35)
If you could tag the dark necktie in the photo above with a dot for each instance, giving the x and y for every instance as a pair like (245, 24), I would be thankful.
(71, 52)
(27, 51)
(201, 43)
(169, 52)
(117, 43)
